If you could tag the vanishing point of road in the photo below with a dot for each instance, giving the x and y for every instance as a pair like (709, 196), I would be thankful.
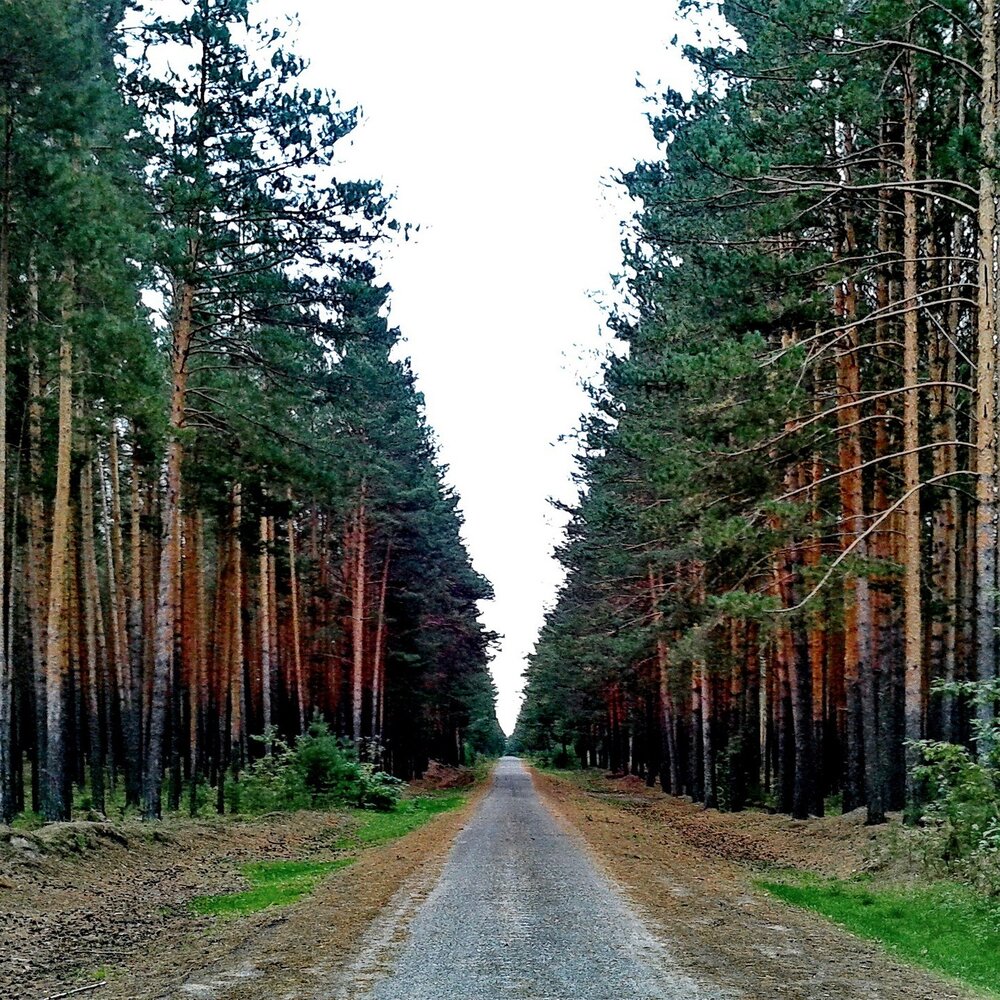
(520, 911)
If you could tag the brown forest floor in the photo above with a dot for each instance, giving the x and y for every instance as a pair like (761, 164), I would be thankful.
(112, 902)
(691, 873)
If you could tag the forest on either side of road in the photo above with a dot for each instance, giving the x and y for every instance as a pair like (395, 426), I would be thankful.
(221, 512)
(782, 568)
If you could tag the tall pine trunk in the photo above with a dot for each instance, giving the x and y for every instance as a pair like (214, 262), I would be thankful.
(266, 649)
(234, 604)
(986, 373)
(8, 792)
(913, 630)
(56, 800)
(120, 665)
(296, 627)
(93, 635)
(358, 617)
(136, 629)
(379, 652)
(36, 577)
(165, 616)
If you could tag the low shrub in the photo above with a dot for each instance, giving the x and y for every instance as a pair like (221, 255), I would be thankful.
(380, 791)
(959, 824)
(318, 772)
(556, 756)
(959, 831)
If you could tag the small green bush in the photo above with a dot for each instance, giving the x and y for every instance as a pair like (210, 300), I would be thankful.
(959, 824)
(381, 791)
(318, 772)
(272, 784)
(327, 769)
(556, 756)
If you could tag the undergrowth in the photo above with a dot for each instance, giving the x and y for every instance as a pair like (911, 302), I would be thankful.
(317, 770)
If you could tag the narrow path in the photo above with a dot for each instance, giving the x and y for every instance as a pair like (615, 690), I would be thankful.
(520, 911)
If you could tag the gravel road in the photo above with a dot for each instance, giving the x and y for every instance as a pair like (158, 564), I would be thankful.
(520, 911)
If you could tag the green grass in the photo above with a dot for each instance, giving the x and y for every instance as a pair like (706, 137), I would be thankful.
(943, 926)
(274, 883)
(279, 883)
(27, 821)
(98, 975)
(378, 827)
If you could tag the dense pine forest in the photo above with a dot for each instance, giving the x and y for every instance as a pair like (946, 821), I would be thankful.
(221, 512)
(782, 569)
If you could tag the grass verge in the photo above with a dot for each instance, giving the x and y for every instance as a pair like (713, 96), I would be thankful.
(273, 883)
(378, 827)
(280, 883)
(943, 926)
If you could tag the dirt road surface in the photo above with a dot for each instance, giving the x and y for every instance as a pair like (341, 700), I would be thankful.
(520, 911)
(553, 891)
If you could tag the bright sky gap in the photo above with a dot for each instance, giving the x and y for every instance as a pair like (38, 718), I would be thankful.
(499, 129)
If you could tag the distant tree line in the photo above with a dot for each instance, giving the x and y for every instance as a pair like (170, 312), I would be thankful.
(221, 512)
(782, 567)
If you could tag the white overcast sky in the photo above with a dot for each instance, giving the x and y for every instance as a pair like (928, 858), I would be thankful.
(498, 127)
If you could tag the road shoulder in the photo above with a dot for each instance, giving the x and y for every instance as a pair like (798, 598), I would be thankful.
(703, 903)
(321, 945)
